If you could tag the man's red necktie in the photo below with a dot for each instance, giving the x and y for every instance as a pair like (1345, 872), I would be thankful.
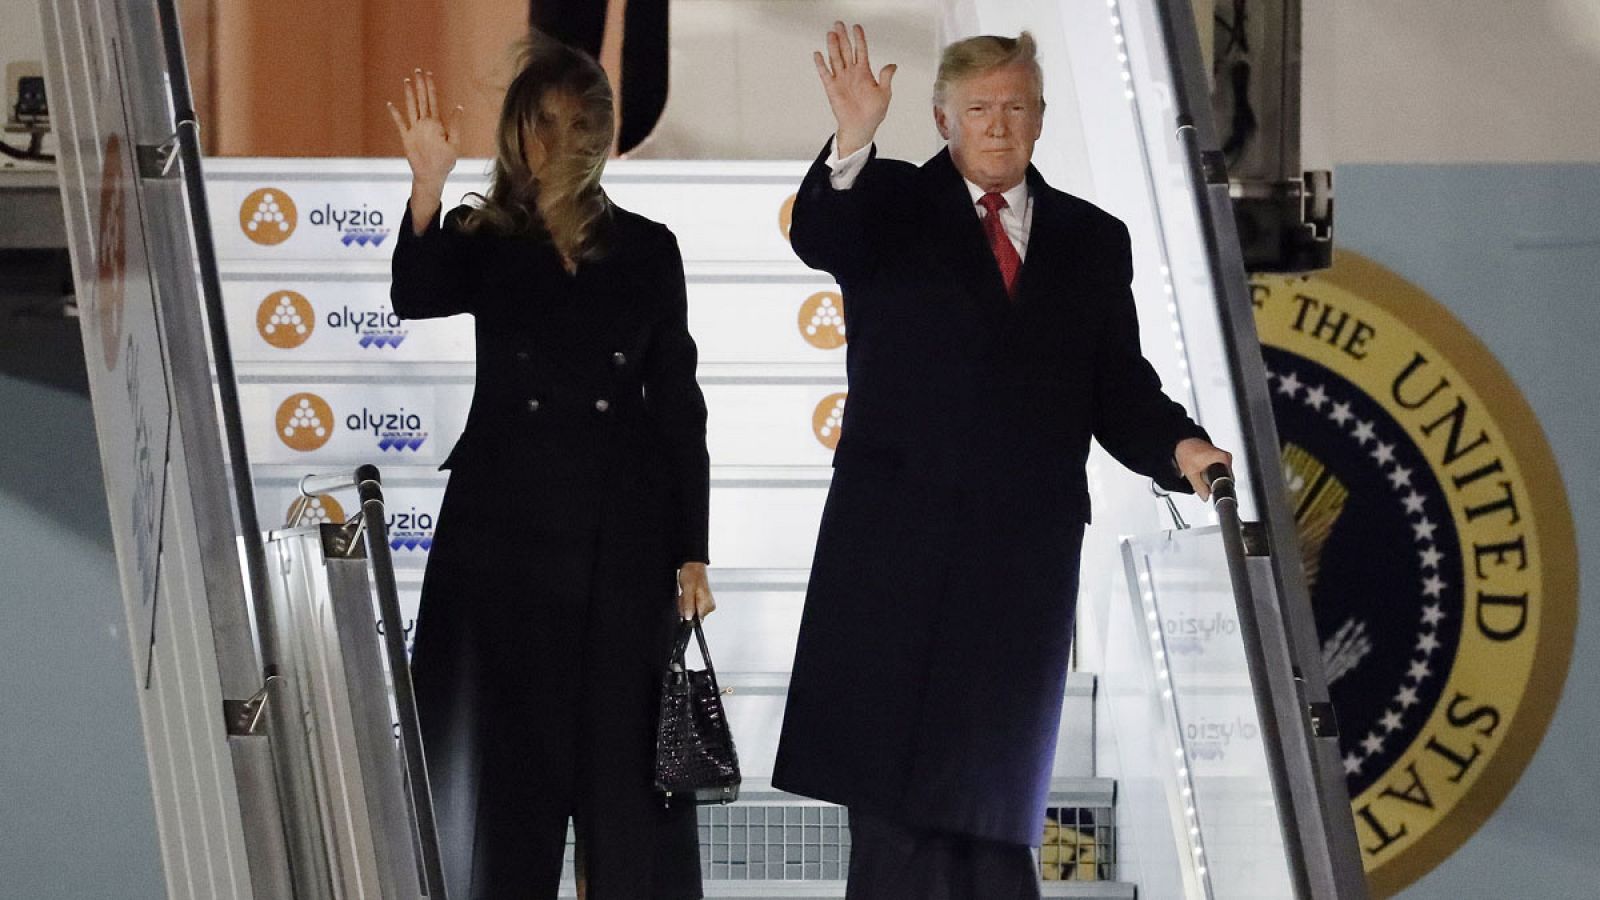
(1004, 252)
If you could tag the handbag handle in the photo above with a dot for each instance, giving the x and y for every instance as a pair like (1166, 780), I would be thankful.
(680, 647)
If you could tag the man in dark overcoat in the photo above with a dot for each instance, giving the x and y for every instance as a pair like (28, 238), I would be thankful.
(992, 333)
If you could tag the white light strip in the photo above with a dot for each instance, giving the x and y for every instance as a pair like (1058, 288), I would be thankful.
(1120, 40)
(1164, 678)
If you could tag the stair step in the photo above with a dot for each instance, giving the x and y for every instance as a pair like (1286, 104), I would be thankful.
(1082, 792)
(833, 890)
(768, 832)
(1089, 890)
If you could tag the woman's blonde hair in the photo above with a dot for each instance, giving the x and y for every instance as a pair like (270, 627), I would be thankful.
(564, 202)
(977, 55)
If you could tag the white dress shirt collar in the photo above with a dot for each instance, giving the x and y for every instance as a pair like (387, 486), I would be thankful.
(1016, 217)
(1016, 199)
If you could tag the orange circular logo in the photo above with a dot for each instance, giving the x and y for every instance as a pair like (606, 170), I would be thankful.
(305, 422)
(827, 418)
(285, 319)
(321, 509)
(111, 253)
(267, 216)
(822, 320)
(786, 216)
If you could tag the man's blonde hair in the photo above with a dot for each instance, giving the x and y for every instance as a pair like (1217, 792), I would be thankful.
(977, 55)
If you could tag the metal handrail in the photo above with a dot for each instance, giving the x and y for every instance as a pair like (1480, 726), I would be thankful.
(267, 840)
(1323, 856)
(186, 135)
(368, 483)
(1225, 500)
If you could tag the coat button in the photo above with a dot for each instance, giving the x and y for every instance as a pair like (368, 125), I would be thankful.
(619, 359)
(533, 405)
(602, 405)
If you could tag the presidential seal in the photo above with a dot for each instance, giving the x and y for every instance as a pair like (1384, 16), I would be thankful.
(1437, 545)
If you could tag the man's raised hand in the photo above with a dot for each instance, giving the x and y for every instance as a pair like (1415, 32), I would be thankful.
(859, 100)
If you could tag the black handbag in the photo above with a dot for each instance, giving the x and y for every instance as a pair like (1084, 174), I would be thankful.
(695, 758)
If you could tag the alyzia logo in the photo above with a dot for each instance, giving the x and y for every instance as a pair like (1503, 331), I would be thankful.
(822, 320)
(1189, 634)
(304, 422)
(378, 328)
(398, 431)
(285, 319)
(827, 419)
(319, 510)
(268, 216)
(362, 227)
(410, 531)
(1210, 739)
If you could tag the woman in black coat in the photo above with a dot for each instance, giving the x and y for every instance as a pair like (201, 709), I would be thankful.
(578, 488)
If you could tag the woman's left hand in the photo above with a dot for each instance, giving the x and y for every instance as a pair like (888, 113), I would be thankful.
(694, 592)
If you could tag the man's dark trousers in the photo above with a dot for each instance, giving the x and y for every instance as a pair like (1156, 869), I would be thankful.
(889, 861)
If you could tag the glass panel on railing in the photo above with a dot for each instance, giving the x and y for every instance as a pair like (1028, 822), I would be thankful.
(1182, 591)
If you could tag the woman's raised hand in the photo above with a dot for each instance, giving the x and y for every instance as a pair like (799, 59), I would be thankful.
(432, 143)
(858, 99)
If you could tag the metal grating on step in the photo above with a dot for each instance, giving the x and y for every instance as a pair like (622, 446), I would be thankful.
(1079, 844)
(776, 842)
(771, 837)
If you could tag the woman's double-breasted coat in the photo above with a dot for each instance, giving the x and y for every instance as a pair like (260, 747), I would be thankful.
(578, 486)
(933, 649)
